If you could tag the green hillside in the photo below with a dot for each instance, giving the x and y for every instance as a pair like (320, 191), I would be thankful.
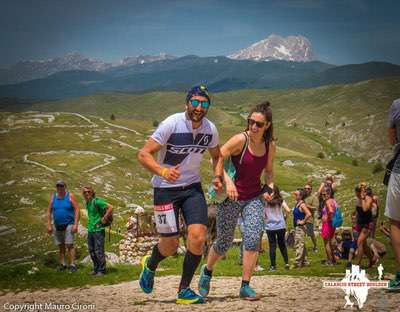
(39, 148)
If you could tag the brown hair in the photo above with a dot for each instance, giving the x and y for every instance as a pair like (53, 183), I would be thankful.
(277, 199)
(265, 109)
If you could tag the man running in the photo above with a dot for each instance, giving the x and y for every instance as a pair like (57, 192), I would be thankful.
(180, 141)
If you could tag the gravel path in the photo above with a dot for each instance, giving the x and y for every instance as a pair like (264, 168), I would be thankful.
(279, 294)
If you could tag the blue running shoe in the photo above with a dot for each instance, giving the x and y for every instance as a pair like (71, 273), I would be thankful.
(204, 282)
(146, 279)
(188, 296)
(248, 293)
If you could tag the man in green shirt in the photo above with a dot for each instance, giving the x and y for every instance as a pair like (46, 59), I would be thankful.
(98, 212)
(312, 203)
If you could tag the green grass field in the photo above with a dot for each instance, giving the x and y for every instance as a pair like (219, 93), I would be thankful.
(88, 149)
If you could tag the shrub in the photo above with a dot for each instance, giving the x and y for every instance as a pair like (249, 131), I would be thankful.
(155, 123)
(354, 162)
(320, 155)
(112, 117)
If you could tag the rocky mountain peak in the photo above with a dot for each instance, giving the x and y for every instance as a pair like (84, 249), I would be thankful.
(292, 48)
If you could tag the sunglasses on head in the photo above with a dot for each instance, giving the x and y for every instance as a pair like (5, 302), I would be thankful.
(259, 124)
(87, 192)
(204, 104)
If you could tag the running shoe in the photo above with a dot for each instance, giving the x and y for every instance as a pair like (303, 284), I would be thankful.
(73, 268)
(248, 293)
(259, 268)
(272, 268)
(61, 268)
(394, 285)
(146, 279)
(204, 282)
(188, 296)
(315, 250)
(287, 266)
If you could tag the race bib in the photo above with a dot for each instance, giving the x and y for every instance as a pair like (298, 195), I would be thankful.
(165, 219)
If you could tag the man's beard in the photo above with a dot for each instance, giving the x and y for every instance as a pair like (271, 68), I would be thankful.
(196, 117)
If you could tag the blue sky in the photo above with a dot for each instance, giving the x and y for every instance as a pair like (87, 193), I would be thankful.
(340, 31)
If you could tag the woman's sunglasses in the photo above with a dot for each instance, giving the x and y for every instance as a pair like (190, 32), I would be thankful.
(204, 104)
(259, 124)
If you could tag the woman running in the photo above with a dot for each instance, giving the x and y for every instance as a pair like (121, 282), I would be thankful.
(252, 153)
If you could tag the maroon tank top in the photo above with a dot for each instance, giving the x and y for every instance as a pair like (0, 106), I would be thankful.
(248, 173)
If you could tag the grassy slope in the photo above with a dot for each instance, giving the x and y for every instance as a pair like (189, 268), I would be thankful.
(124, 181)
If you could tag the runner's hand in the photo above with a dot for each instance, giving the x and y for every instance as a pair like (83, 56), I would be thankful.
(267, 196)
(217, 185)
(231, 191)
(74, 228)
(49, 229)
(172, 174)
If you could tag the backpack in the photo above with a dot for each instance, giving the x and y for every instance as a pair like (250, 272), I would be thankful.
(110, 217)
(337, 219)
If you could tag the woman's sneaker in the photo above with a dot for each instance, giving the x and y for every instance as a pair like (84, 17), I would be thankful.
(146, 279)
(204, 282)
(61, 268)
(248, 293)
(188, 296)
(73, 268)
(287, 266)
(272, 268)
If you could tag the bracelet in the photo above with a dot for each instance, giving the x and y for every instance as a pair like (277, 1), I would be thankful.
(164, 172)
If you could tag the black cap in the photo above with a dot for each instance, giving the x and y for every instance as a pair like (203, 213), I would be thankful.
(60, 183)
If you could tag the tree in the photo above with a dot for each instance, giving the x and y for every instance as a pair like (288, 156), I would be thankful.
(112, 117)
(155, 123)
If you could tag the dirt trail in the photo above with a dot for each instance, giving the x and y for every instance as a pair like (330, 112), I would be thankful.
(279, 294)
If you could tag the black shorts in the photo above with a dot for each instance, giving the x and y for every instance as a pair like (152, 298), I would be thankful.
(168, 202)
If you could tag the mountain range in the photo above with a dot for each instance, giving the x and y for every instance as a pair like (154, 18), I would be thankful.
(292, 48)
(219, 73)
(35, 69)
(251, 68)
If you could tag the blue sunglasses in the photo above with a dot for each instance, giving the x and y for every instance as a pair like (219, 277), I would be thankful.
(204, 104)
